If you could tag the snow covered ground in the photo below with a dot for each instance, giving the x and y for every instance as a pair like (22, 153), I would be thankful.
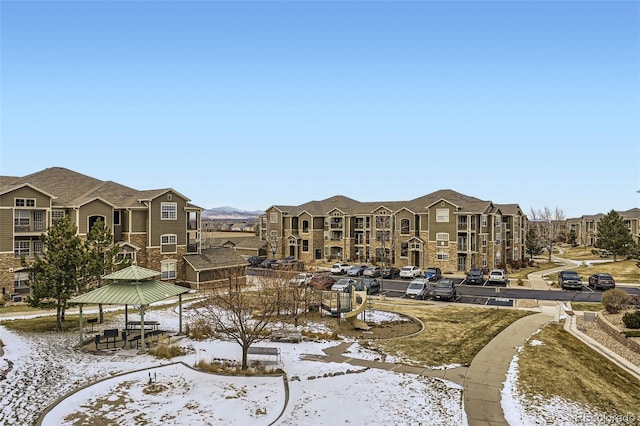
(134, 389)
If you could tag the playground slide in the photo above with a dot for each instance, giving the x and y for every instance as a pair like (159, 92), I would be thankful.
(359, 300)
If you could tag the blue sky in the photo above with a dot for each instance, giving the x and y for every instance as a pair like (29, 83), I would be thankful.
(249, 104)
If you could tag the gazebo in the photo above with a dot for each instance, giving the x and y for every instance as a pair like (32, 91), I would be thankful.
(133, 285)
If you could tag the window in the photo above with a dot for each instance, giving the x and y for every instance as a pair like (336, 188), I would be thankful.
(383, 222)
(116, 217)
(484, 240)
(38, 220)
(498, 238)
(404, 226)
(305, 226)
(25, 202)
(273, 217)
(404, 249)
(94, 219)
(442, 236)
(273, 234)
(22, 218)
(169, 211)
(515, 254)
(169, 243)
(484, 220)
(20, 279)
(21, 248)
(442, 255)
(37, 247)
(442, 215)
(305, 245)
(168, 269)
(484, 260)
(56, 214)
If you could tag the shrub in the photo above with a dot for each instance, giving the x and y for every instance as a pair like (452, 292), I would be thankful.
(199, 329)
(166, 351)
(631, 319)
(614, 300)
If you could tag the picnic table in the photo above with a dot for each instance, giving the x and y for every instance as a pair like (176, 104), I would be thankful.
(148, 325)
(110, 337)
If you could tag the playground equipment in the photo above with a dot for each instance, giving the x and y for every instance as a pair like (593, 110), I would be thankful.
(349, 304)
(359, 301)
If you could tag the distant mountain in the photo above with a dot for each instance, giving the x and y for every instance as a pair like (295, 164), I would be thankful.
(230, 213)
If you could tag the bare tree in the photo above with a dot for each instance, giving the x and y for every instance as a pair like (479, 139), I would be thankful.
(546, 224)
(240, 313)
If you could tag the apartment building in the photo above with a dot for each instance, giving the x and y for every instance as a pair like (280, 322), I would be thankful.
(155, 228)
(444, 229)
(586, 227)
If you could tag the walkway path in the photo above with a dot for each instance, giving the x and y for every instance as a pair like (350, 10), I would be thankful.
(487, 371)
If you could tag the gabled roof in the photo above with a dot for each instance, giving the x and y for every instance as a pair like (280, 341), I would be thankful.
(215, 258)
(246, 242)
(71, 189)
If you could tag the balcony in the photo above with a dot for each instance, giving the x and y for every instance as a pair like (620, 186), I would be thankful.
(336, 226)
(192, 225)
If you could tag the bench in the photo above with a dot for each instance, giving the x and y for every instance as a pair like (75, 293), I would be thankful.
(92, 321)
(153, 336)
(110, 337)
(261, 350)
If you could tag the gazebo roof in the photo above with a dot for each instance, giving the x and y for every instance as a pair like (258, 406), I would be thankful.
(131, 293)
(132, 273)
(133, 287)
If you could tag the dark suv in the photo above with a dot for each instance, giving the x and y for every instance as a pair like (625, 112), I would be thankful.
(474, 276)
(601, 281)
(569, 280)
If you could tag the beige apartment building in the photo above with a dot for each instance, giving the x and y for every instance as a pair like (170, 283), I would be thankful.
(586, 227)
(444, 229)
(156, 228)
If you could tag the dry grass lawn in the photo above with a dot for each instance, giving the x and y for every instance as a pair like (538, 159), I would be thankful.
(452, 335)
(565, 367)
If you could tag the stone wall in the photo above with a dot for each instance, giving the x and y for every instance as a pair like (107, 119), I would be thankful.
(616, 333)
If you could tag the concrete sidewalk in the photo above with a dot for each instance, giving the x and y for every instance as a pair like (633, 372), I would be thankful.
(488, 369)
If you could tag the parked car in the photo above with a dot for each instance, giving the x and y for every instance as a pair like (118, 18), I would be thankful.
(370, 284)
(268, 263)
(498, 276)
(444, 289)
(418, 289)
(288, 265)
(356, 270)
(255, 261)
(390, 272)
(601, 281)
(433, 274)
(344, 284)
(474, 276)
(302, 278)
(410, 272)
(322, 281)
(372, 271)
(340, 268)
(569, 280)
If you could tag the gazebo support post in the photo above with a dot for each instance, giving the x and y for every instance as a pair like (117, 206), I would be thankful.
(142, 326)
(179, 314)
(81, 337)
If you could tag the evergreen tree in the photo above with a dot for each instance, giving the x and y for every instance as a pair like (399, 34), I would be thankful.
(101, 257)
(573, 238)
(613, 235)
(53, 276)
(532, 243)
